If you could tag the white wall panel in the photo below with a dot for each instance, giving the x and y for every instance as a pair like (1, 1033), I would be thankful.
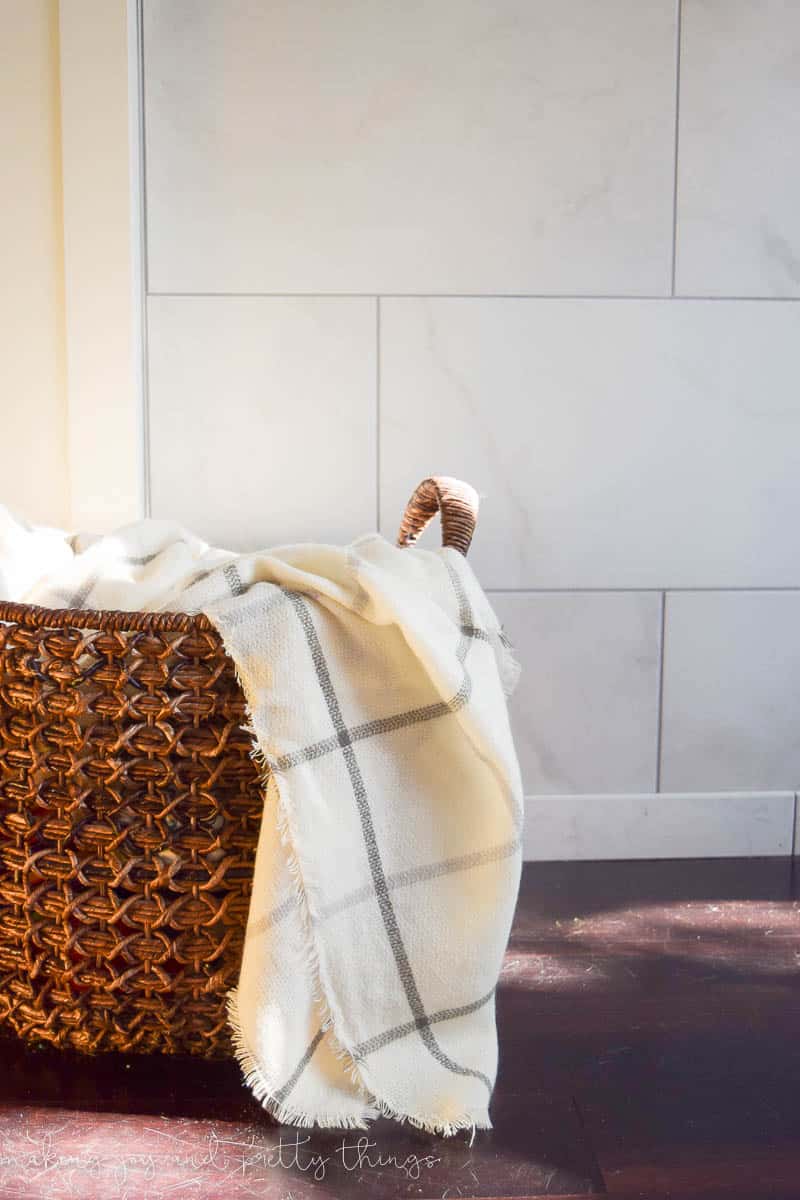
(455, 146)
(731, 691)
(585, 712)
(262, 417)
(739, 167)
(618, 443)
(102, 267)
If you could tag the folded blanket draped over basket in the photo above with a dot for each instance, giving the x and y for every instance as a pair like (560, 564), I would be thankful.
(389, 855)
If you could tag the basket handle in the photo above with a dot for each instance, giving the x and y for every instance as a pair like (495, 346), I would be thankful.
(456, 501)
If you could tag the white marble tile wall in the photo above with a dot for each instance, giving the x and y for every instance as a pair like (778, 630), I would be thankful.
(738, 167)
(731, 692)
(618, 443)
(263, 406)
(585, 712)
(430, 146)
(553, 249)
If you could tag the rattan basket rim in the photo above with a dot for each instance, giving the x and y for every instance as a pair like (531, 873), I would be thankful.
(35, 616)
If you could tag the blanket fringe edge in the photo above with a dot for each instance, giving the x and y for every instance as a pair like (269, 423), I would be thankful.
(264, 1090)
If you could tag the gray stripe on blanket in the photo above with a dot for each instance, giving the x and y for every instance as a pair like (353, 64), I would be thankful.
(78, 599)
(429, 712)
(201, 575)
(284, 1091)
(277, 914)
(449, 866)
(388, 914)
(401, 1031)
(141, 560)
(393, 723)
(233, 579)
(401, 879)
(416, 716)
(258, 607)
(379, 1041)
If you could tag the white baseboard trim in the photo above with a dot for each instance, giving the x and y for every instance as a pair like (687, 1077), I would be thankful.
(663, 825)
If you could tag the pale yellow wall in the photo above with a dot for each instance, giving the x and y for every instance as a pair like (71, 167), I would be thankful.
(100, 231)
(70, 409)
(33, 442)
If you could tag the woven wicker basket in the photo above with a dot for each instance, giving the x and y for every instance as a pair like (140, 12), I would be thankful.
(129, 815)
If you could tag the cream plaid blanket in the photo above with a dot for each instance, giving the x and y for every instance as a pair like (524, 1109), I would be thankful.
(389, 855)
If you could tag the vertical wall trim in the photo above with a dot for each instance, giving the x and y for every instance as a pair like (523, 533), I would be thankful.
(61, 284)
(101, 260)
(377, 412)
(794, 827)
(139, 240)
(660, 720)
(678, 16)
(138, 247)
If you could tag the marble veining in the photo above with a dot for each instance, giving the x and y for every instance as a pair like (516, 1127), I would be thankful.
(459, 147)
(625, 444)
(738, 168)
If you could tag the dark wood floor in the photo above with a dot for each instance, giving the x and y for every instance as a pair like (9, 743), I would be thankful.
(649, 1021)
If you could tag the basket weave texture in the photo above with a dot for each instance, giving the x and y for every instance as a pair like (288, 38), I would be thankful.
(129, 816)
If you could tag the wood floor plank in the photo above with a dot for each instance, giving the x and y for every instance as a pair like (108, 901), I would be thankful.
(649, 1018)
(685, 1054)
(690, 1112)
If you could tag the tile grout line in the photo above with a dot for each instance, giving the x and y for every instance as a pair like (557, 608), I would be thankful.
(660, 722)
(744, 793)
(377, 413)
(625, 591)
(678, 18)
(664, 298)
